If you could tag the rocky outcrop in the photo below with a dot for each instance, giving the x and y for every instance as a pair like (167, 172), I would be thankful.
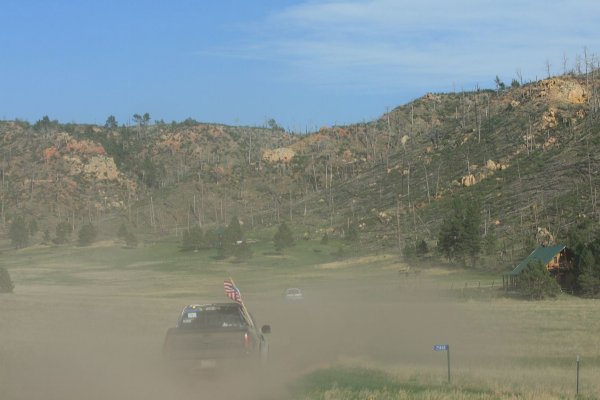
(468, 180)
(550, 142)
(84, 147)
(101, 168)
(563, 91)
(550, 119)
(280, 155)
(477, 174)
(544, 237)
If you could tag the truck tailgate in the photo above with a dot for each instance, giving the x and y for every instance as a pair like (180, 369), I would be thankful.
(205, 344)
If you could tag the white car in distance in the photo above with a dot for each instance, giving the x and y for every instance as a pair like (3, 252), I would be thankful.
(293, 294)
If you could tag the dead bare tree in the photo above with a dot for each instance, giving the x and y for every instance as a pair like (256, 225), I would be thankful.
(427, 183)
(437, 182)
(152, 220)
(249, 148)
(408, 185)
(585, 65)
(398, 224)
(389, 132)
(291, 207)
(590, 180)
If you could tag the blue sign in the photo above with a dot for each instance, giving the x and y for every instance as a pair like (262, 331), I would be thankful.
(440, 347)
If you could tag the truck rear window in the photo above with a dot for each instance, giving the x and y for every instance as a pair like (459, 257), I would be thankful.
(212, 317)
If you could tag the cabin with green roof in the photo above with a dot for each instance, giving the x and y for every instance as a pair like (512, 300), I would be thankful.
(559, 261)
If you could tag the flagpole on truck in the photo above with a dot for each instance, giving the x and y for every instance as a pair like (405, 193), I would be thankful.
(241, 303)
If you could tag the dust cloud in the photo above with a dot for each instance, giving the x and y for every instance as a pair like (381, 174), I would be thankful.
(68, 343)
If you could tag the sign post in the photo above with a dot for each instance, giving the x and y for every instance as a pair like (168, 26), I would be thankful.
(446, 348)
(577, 375)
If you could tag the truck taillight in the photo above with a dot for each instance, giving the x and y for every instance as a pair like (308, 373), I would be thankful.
(247, 340)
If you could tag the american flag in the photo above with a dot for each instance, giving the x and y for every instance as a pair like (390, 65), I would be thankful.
(232, 291)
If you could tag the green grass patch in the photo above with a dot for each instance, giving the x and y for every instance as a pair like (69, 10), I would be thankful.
(365, 383)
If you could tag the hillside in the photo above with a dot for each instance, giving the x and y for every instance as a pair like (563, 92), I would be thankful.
(528, 153)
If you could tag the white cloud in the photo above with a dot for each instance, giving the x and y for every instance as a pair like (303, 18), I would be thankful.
(390, 45)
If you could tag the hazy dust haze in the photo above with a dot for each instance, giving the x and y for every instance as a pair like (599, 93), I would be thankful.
(70, 342)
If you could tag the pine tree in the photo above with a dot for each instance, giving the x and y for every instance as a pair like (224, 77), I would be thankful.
(192, 239)
(6, 284)
(352, 236)
(459, 236)
(283, 237)
(122, 232)
(233, 232)
(131, 240)
(46, 239)
(211, 239)
(232, 236)
(490, 241)
(186, 241)
(19, 233)
(32, 227)
(589, 270)
(536, 282)
(242, 251)
(63, 232)
(87, 234)
(422, 249)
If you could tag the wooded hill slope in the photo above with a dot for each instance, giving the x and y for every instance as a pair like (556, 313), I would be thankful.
(527, 154)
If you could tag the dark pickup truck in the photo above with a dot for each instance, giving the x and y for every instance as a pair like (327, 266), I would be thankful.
(209, 334)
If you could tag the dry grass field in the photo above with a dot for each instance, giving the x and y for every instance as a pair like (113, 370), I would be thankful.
(88, 323)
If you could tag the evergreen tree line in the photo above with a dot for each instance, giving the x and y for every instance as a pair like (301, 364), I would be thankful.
(460, 240)
(230, 240)
(21, 231)
(586, 245)
(536, 282)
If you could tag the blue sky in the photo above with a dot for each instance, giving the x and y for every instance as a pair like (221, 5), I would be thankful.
(306, 64)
